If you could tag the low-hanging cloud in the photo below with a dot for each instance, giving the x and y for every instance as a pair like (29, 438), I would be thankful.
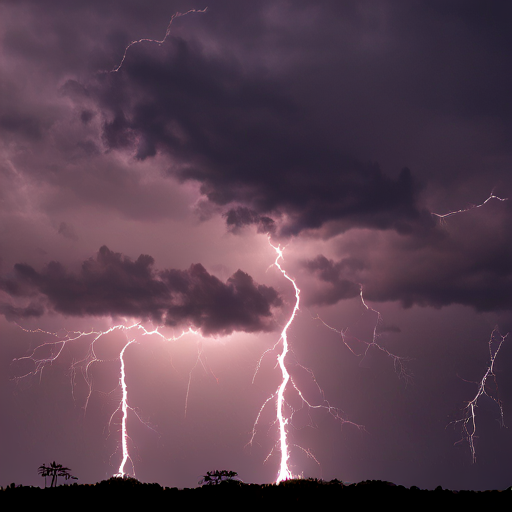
(332, 272)
(469, 263)
(113, 285)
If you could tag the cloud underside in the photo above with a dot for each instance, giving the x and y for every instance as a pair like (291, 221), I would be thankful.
(447, 268)
(113, 285)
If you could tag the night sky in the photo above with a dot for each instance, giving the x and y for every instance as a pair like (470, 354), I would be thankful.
(144, 184)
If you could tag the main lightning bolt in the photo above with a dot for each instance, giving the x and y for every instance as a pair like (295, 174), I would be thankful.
(283, 418)
(124, 408)
(284, 471)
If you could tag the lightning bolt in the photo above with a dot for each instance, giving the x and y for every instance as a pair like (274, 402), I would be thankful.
(468, 422)
(399, 362)
(283, 417)
(83, 366)
(167, 33)
(469, 207)
(124, 408)
(284, 471)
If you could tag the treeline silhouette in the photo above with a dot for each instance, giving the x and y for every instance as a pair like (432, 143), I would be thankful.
(303, 492)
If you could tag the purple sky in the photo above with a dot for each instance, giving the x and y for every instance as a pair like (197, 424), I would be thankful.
(145, 188)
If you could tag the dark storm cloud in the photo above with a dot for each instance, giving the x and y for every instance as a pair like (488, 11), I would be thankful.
(245, 141)
(114, 285)
(237, 218)
(13, 313)
(468, 262)
(300, 144)
(280, 110)
(303, 113)
(332, 272)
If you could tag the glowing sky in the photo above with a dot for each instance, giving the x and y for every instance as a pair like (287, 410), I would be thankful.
(147, 194)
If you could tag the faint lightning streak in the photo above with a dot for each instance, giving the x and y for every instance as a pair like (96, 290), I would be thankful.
(399, 362)
(167, 33)
(199, 359)
(470, 207)
(469, 419)
(41, 363)
(333, 411)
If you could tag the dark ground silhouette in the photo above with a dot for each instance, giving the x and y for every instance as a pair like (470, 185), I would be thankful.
(304, 492)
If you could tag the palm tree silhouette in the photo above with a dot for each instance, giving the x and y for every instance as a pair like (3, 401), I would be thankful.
(55, 470)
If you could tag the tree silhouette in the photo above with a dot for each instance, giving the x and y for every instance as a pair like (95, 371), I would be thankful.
(217, 477)
(55, 470)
